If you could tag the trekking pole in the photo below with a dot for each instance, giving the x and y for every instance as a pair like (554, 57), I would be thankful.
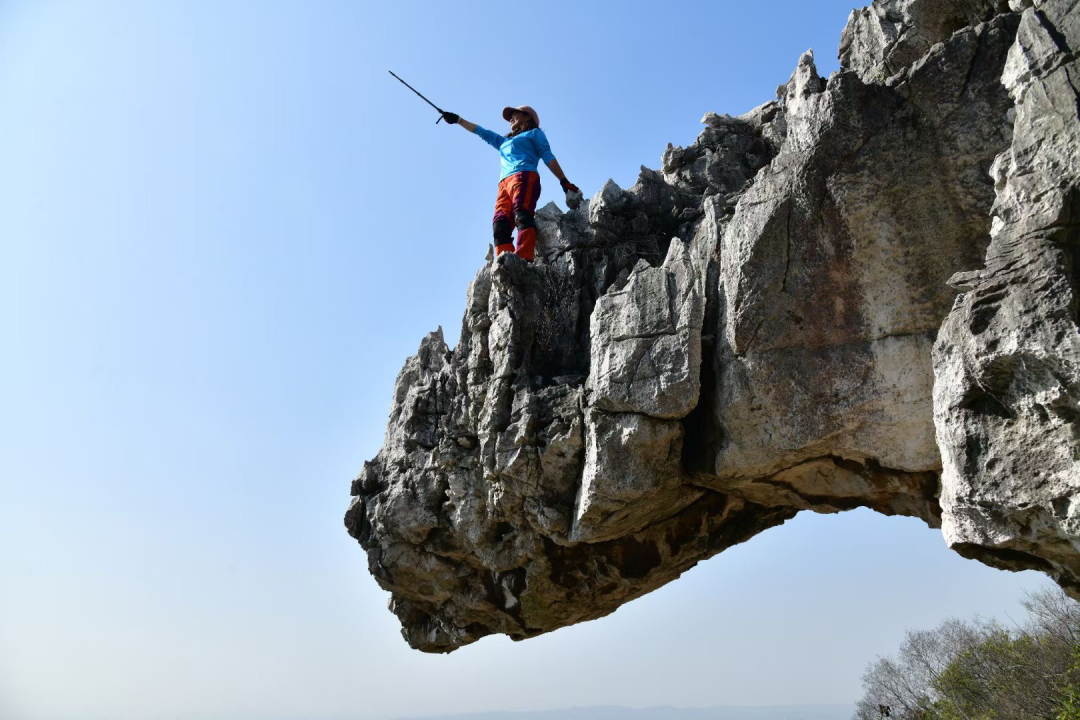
(421, 96)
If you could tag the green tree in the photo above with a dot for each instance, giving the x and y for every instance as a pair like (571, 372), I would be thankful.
(967, 670)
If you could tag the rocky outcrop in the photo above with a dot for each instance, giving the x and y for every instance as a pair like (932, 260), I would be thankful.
(1007, 360)
(860, 294)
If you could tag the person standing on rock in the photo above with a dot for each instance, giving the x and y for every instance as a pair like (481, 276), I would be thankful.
(519, 185)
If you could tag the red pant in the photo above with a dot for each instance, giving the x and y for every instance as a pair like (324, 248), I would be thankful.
(516, 205)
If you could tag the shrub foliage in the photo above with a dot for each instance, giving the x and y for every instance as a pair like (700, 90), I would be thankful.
(968, 670)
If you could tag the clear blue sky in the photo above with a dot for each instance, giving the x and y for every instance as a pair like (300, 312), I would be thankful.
(223, 227)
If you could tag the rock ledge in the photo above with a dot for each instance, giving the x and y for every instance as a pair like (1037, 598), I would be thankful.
(861, 294)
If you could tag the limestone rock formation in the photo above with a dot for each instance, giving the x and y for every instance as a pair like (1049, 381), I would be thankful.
(860, 294)
(1007, 360)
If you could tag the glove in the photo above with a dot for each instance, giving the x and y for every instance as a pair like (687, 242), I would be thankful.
(451, 118)
(573, 194)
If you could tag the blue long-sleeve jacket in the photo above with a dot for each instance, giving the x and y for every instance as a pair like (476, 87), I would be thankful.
(524, 151)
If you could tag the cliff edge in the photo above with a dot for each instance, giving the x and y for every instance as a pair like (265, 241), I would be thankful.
(863, 293)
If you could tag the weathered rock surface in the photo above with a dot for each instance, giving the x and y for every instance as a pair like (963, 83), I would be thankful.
(861, 294)
(1007, 360)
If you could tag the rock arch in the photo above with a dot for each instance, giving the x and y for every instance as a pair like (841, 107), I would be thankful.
(860, 294)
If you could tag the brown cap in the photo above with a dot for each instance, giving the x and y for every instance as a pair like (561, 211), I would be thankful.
(508, 113)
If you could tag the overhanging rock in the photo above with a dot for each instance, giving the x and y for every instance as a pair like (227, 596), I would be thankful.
(860, 294)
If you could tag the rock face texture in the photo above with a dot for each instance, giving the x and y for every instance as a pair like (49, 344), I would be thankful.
(861, 294)
(1007, 359)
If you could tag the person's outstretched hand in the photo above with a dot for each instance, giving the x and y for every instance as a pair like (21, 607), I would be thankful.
(568, 186)
(451, 118)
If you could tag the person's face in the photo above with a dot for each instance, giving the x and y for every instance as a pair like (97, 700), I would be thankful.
(519, 121)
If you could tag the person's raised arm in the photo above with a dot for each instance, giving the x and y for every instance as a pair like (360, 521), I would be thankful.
(455, 119)
(495, 140)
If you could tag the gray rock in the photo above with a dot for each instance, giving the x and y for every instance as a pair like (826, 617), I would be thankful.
(646, 340)
(860, 294)
(888, 36)
(834, 266)
(632, 476)
(1007, 360)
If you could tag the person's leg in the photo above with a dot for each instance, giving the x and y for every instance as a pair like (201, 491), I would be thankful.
(525, 198)
(502, 225)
